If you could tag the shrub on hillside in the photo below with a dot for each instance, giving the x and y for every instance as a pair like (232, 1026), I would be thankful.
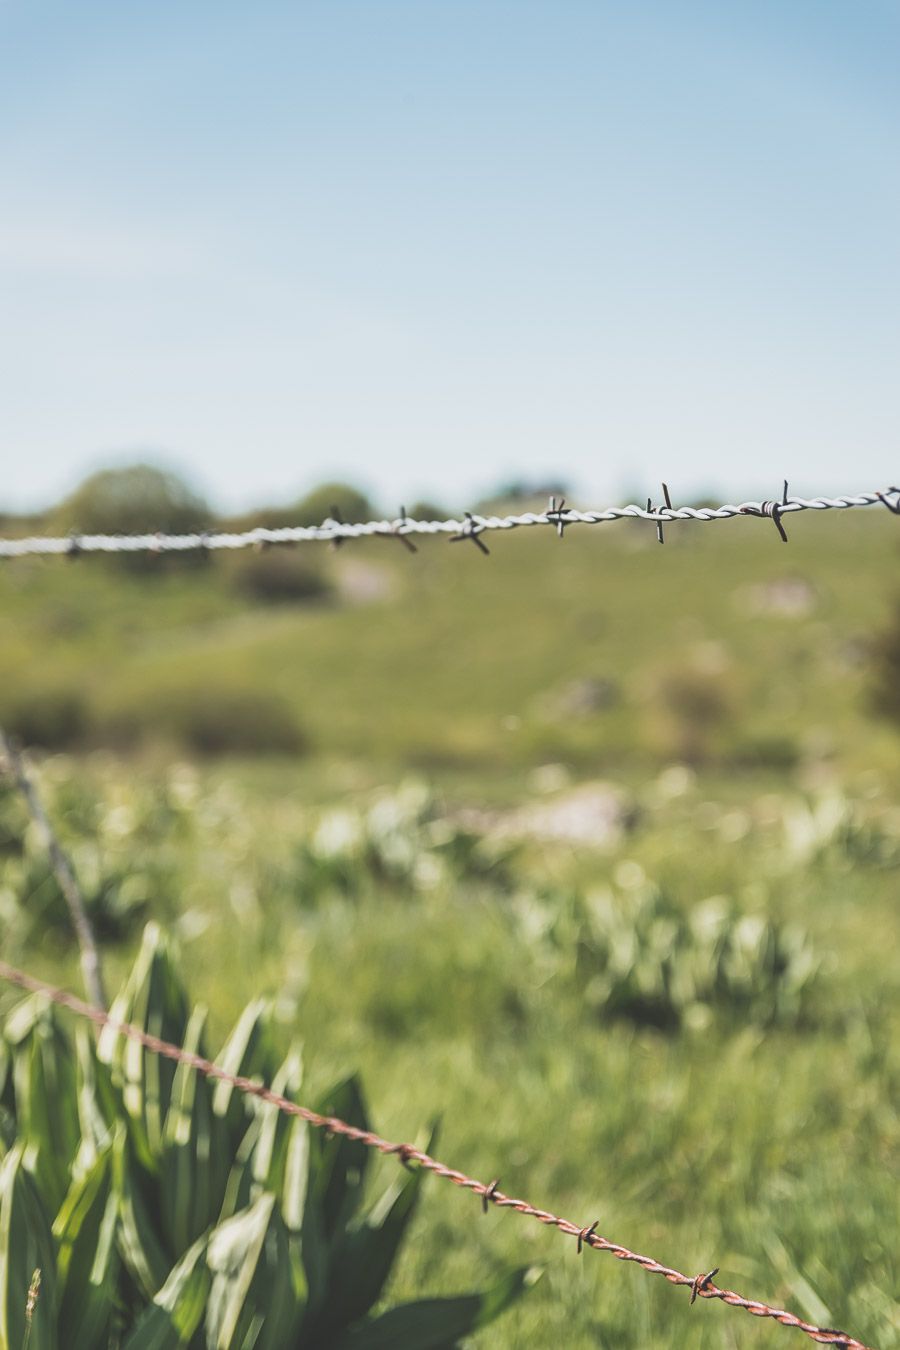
(695, 706)
(163, 1209)
(207, 717)
(279, 575)
(49, 717)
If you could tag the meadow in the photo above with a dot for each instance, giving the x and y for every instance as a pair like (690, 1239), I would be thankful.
(589, 848)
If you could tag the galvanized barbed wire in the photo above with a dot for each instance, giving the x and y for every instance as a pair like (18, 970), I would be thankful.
(334, 530)
(700, 1286)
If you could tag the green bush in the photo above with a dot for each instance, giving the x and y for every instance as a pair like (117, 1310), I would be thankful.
(208, 717)
(834, 830)
(399, 841)
(126, 853)
(278, 575)
(50, 716)
(138, 499)
(641, 958)
(697, 704)
(159, 1209)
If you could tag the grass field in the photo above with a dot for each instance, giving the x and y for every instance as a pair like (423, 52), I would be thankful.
(413, 891)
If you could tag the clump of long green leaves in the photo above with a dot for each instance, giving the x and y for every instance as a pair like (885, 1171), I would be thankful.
(640, 957)
(163, 1210)
(400, 839)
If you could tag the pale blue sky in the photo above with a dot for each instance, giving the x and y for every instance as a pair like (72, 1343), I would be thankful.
(432, 245)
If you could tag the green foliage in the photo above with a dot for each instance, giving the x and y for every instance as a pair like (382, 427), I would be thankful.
(165, 1210)
(318, 505)
(279, 575)
(639, 957)
(139, 499)
(216, 716)
(127, 849)
(50, 715)
(400, 841)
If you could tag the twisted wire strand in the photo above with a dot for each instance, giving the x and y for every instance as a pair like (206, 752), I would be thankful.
(403, 527)
(701, 1286)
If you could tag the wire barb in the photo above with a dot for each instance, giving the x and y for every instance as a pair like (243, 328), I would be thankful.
(558, 515)
(774, 510)
(400, 532)
(659, 526)
(335, 523)
(471, 530)
(700, 1283)
(489, 1193)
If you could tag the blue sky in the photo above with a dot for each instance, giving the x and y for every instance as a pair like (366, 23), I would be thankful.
(429, 246)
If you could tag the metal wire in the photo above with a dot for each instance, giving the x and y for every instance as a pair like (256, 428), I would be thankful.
(471, 527)
(701, 1286)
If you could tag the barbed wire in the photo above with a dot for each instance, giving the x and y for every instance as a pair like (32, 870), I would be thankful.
(701, 1286)
(471, 527)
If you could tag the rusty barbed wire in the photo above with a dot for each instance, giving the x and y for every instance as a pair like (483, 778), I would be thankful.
(335, 531)
(701, 1286)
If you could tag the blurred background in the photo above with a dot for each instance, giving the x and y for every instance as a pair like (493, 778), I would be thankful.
(590, 845)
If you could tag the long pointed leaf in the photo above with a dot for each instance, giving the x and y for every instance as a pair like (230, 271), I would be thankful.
(26, 1247)
(339, 1164)
(437, 1323)
(364, 1255)
(140, 1241)
(87, 1261)
(189, 1206)
(254, 1298)
(45, 1089)
(177, 1310)
(235, 1249)
(336, 1178)
(153, 999)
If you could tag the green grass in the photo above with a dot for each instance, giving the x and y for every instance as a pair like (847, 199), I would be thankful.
(772, 1153)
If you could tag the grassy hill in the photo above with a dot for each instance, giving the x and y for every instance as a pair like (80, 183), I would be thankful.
(607, 651)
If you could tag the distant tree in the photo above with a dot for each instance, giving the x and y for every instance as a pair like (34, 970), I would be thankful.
(138, 499)
(312, 509)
